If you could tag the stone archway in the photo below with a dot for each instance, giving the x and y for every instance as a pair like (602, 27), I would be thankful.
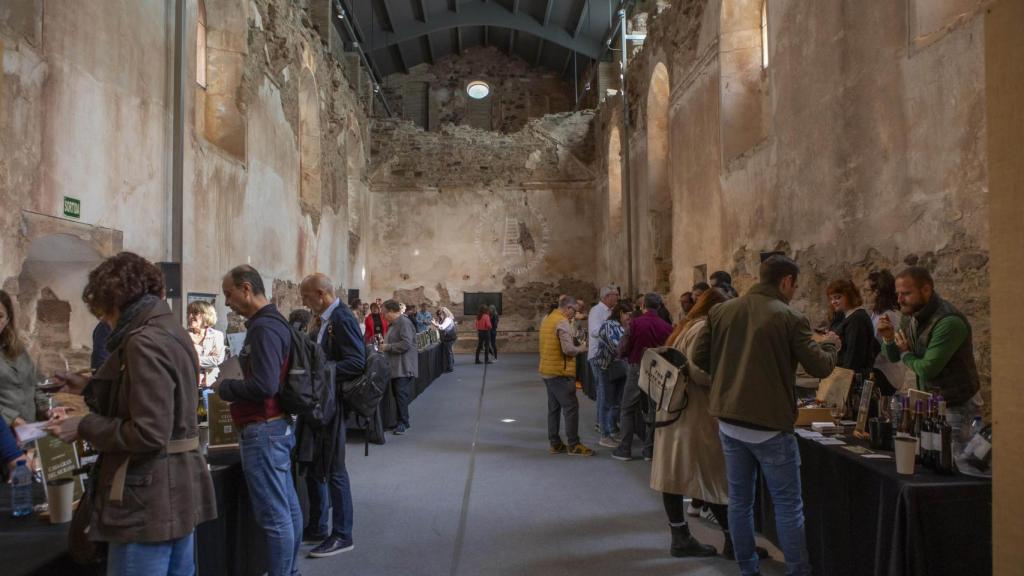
(743, 81)
(310, 187)
(659, 193)
(615, 182)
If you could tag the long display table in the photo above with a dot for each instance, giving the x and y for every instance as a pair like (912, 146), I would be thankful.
(861, 517)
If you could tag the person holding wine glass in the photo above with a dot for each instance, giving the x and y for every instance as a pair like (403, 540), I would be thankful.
(22, 401)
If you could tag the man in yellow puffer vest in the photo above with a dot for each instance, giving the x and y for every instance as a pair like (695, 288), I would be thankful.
(558, 369)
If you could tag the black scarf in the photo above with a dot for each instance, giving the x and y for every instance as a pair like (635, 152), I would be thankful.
(128, 316)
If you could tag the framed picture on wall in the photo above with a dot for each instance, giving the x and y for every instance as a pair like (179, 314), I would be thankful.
(197, 296)
(472, 301)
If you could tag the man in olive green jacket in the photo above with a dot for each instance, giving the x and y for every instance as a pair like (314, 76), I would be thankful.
(751, 351)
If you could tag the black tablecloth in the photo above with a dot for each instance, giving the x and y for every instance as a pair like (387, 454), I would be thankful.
(861, 517)
(31, 545)
(233, 543)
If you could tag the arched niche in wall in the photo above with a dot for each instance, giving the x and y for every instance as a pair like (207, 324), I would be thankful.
(58, 258)
(358, 202)
(744, 78)
(614, 181)
(310, 184)
(660, 204)
(219, 117)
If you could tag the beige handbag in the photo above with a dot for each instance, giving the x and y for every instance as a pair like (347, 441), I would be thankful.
(663, 378)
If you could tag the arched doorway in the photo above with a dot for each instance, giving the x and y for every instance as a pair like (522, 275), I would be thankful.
(310, 194)
(614, 182)
(659, 201)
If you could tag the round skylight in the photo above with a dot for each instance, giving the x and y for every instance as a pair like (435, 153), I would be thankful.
(478, 90)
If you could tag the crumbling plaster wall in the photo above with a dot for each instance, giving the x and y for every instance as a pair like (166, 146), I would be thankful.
(249, 211)
(467, 210)
(519, 91)
(85, 111)
(873, 157)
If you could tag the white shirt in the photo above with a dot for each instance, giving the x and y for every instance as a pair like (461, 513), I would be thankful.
(447, 323)
(325, 318)
(597, 317)
(211, 355)
(744, 434)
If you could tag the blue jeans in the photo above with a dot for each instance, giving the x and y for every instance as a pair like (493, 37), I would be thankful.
(336, 494)
(779, 459)
(171, 558)
(266, 463)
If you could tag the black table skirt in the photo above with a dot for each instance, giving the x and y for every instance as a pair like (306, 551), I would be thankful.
(31, 545)
(861, 517)
(232, 544)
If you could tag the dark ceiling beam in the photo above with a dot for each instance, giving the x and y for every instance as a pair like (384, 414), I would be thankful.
(423, 10)
(540, 52)
(401, 58)
(579, 21)
(515, 7)
(511, 41)
(547, 13)
(568, 62)
(487, 39)
(430, 48)
(488, 14)
(453, 5)
(386, 7)
(458, 40)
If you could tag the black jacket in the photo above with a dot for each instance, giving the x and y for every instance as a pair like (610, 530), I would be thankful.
(343, 343)
(860, 347)
(322, 451)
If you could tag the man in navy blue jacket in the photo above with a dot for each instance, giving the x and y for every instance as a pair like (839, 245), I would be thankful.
(336, 330)
(265, 431)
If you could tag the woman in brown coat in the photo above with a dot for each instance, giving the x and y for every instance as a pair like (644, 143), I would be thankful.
(688, 457)
(152, 486)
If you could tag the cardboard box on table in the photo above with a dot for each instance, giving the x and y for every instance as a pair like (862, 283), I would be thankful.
(832, 391)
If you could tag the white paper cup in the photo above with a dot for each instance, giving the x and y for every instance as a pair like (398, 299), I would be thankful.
(906, 451)
(59, 494)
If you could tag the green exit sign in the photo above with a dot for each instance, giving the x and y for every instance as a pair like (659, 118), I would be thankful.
(72, 207)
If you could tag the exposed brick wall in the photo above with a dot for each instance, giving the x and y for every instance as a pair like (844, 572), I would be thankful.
(519, 92)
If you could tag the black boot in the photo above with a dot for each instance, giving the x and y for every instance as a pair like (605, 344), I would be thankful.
(684, 545)
(477, 357)
(728, 552)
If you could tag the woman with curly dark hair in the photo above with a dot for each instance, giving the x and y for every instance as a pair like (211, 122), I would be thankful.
(151, 486)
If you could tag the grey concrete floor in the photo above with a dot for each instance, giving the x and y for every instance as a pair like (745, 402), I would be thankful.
(523, 511)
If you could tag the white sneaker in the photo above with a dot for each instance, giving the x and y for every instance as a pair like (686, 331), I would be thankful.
(708, 515)
(608, 442)
(692, 510)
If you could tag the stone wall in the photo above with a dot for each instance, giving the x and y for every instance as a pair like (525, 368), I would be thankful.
(467, 210)
(860, 146)
(519, 91)
(276, 144)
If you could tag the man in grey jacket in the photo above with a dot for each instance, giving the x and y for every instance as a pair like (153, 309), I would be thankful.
(400, 347)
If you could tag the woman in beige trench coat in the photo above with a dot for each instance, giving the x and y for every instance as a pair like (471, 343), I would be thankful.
(688, 457)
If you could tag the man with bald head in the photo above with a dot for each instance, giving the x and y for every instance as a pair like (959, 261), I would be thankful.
(335, 329)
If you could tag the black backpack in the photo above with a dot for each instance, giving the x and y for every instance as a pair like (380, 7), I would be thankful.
(362, 395)
(308, 391)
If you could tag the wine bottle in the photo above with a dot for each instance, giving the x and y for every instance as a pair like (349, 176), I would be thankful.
(934, 440)
(918, 422)
(945, 464)
(896, 413)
